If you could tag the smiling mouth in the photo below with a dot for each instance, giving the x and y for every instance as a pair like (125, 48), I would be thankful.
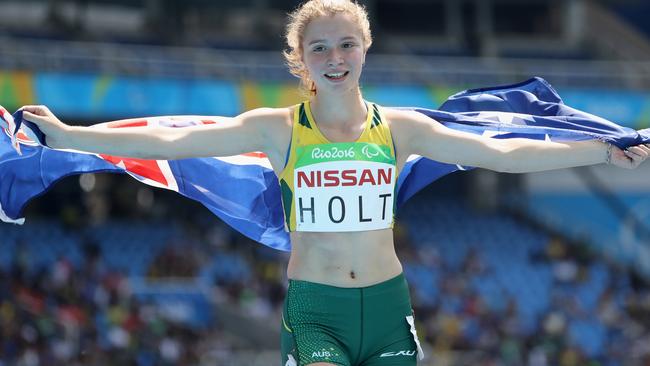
(337, 75)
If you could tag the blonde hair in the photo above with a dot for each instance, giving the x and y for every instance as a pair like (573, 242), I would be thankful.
(305, 13)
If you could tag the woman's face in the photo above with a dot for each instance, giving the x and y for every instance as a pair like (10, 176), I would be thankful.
(333, 52)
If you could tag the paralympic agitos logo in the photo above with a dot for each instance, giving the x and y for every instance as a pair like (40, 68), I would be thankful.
(369, 154)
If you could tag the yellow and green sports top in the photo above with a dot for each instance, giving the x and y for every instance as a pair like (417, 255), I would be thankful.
(339, 186)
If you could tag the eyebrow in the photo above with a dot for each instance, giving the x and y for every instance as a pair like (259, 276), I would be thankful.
(323, 40)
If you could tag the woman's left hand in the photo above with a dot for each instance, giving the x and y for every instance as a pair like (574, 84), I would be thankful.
(630, 158)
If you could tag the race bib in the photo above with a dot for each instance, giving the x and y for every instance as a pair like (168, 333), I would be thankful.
(344, 187)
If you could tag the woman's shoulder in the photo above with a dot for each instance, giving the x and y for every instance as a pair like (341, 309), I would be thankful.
(398, 115)
(275, 125)
(269, 114)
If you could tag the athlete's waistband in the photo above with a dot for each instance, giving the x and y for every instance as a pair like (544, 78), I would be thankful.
(323, 289)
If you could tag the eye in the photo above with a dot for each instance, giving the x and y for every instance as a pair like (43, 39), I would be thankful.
(348, 45)
(318, 48)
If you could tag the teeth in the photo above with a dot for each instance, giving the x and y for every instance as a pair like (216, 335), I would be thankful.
(337, 75)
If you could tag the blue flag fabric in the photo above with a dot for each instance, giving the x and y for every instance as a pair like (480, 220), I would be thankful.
(243, 190)
(530, 109)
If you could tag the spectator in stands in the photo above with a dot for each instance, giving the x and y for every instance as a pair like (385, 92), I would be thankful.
(62, 315)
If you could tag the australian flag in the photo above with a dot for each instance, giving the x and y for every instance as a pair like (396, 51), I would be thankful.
(243, 190)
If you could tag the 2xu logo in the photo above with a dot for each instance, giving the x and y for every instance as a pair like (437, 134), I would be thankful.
(398, 353)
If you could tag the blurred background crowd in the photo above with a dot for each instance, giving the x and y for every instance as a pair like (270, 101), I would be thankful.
(538, 269)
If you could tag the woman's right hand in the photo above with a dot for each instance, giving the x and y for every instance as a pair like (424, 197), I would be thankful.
(48, 123)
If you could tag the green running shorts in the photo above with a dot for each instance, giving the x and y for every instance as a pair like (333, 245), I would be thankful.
(367, 326)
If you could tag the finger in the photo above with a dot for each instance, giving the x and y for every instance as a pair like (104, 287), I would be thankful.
(30, 108)
(39, 110)
(639, 151)
(31, 117)
(634, 157)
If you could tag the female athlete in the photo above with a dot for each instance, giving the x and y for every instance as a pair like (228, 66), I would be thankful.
(337, 158)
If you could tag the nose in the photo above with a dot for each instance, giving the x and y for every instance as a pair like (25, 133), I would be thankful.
(335, 58)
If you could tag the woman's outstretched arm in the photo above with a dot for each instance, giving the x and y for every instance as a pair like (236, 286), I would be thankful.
(229, 136)
(417, 134)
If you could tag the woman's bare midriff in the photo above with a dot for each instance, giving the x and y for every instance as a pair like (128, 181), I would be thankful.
(348, 259)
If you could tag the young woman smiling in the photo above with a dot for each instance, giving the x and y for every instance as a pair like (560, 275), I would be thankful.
(347, 301)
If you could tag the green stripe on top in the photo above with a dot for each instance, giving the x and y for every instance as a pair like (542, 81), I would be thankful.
(287, 199)
(302, 116)
(343, 151)
(376, 118)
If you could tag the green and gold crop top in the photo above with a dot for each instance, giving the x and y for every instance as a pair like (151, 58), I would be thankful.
(339, 186)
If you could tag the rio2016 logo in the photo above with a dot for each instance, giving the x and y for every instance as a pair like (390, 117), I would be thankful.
(333, 153)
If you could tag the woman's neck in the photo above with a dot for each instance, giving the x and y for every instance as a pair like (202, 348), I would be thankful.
(339, 109)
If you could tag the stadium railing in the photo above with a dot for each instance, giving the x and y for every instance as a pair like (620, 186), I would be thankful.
(263, 66)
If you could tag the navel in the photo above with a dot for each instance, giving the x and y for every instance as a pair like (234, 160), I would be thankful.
(352, 274)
